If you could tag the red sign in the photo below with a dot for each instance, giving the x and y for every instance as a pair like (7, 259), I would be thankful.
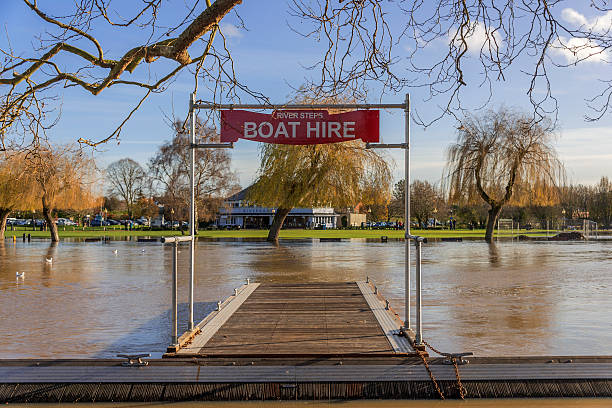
(299, 127)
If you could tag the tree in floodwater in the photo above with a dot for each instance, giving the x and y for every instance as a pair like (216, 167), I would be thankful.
(335, 174)
(64, 178)
(16, 186)
(497, 153)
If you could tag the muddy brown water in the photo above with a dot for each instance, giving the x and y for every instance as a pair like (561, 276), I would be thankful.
(511, 298)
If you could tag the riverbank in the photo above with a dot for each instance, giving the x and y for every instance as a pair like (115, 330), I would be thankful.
(117, 233)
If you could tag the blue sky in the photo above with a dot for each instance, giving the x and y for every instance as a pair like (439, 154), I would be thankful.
(270, 58)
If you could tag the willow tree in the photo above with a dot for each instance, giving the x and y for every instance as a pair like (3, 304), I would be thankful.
(337, 174)
(16, 186)
(64, 178)
(497, 154)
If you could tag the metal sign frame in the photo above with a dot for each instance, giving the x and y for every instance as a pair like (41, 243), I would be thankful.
(194, 106)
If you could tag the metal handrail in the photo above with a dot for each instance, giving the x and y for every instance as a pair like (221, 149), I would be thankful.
(169, 240)
(418, 241)
(175, 240)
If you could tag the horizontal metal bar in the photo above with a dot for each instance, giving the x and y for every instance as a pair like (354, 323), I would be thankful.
(416, 238)
(386, 145)
(167, 240)
(212, 145)
(301, 106)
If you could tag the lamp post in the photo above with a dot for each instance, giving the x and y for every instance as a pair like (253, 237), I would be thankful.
(172, 218)
(435, 212)
(33, 221)
(563, 214)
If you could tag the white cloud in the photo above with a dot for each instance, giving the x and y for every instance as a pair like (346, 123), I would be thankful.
(230, 30)
(599, 24)
(578, 50)
(574, 50)
(572, 16)
(477, 39)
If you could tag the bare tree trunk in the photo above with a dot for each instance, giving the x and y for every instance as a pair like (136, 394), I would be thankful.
(4, 213)
(195, 221)
(491, 220)
(48, 214)
(277, 223)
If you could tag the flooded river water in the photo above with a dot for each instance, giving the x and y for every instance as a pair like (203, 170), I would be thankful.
(511, 298)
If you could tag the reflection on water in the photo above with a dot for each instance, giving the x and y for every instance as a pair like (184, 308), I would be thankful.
(511, 298)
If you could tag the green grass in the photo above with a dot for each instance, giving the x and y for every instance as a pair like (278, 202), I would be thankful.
(285, 234)
(296, 233)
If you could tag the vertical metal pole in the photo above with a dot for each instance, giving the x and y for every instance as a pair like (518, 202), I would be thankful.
(407, 214)
(419, 328)
(192, 219)
(174, 294)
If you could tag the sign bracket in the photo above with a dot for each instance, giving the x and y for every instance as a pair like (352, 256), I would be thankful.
(212, 145)
(386, 145)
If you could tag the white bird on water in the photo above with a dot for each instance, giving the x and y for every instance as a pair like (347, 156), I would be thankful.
(20, 275)
(115, 252)
(49, 260)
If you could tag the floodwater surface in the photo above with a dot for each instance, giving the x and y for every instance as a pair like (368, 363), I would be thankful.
(510, 298)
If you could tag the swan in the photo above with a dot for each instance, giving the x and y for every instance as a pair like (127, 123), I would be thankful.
(20, 275)
(115, 252)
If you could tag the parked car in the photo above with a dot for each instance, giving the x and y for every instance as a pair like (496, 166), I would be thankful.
(112, 222)
(98, 221)
(172, 224)
(231, 226)
(143, 221)
(65, 222)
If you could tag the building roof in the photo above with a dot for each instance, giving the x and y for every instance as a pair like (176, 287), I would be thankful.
(240, 196)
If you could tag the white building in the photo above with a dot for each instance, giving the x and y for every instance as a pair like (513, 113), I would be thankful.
(237, 212)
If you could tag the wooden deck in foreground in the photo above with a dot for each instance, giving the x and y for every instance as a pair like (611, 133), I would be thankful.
(320, 341)
(299, 319)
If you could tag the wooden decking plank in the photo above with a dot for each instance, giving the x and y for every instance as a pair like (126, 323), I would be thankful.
(213, 325)
(320, 318)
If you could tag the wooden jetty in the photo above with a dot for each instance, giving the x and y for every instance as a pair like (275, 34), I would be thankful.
(298, 319)
(316, 341)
